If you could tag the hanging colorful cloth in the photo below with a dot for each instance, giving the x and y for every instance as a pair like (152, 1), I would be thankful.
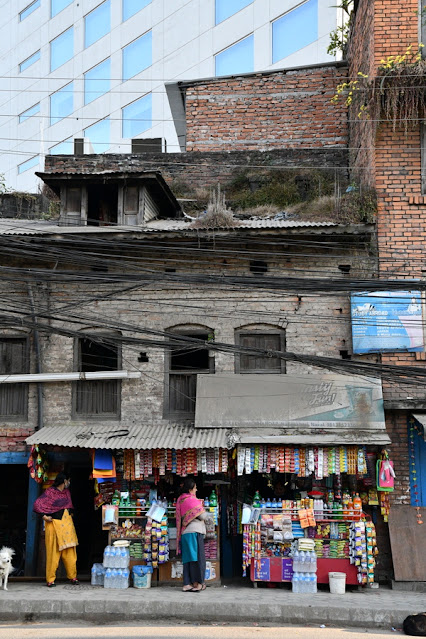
(38, 464)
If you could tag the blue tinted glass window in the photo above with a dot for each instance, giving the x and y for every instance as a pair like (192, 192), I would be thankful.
(295, 30)
(137, 117)
(227, 8)
(61, 49)
(58, 5)
(63, 148)
(29, 112)
(61, 103)
(97, 81)
(29, 61)
(97, 23)
(130, 7)
(28, 164)
(28, 10)
(98, 134)
(137, 56)
(236, 59)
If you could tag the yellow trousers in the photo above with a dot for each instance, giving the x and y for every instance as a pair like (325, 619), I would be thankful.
(53, 555)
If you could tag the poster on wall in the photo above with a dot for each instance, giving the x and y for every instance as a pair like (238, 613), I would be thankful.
(387, 321)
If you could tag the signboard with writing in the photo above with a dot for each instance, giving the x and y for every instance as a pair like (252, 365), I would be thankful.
(287, 569)
(318, 402)
(264, 574)
(387, 321)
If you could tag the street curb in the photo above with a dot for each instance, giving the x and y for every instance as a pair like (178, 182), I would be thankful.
(100, 611)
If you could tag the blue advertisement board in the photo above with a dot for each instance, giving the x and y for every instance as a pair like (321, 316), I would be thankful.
(387, 321)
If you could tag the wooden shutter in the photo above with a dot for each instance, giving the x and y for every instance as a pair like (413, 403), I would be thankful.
(13, 360)
(182, 393)
(259, 363)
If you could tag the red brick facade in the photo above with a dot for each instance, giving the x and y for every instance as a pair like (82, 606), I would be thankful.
(267, 110)
(390, 160)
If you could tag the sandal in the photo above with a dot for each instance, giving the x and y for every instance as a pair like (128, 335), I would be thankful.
(50, 584)
(74, 582)
(188, 589)
(203, 587)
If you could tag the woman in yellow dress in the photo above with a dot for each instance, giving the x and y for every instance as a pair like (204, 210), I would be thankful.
(56, 508)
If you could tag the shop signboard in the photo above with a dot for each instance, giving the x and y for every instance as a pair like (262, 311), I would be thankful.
(287, 569)
(387, 321)
(264, 574)
(316, 403)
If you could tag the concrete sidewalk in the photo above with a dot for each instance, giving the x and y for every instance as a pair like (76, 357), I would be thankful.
(383, 608)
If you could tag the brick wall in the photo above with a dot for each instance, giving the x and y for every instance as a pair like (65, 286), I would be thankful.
(314, 324)
(392, 160)
(267, 110)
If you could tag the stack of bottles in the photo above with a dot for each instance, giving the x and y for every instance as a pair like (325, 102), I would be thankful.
(304, 572)
(116, 565)
(98, 574)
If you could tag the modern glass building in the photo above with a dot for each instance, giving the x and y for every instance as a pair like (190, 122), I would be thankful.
(96, 69)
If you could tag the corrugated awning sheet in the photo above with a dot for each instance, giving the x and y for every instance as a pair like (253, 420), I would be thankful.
(164, 435)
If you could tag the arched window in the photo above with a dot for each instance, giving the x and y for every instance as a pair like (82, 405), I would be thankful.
(97, 398)
(182, 364)
(265, 338)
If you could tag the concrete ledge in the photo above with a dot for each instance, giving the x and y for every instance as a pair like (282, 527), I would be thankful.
(239, 604)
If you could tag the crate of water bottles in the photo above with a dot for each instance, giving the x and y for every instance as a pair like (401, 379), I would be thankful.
(117, 578)
(304, 578)
(98, 574)
(116, 557)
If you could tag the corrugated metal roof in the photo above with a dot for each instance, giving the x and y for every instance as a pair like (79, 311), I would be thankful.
(159, 435)
(40, 227)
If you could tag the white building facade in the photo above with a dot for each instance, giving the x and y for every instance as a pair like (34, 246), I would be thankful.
(97, 69)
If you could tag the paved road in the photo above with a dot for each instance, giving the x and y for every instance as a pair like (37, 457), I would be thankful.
(182, 631)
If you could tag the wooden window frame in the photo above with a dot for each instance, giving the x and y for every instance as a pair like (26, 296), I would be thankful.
(23, 416)
(181, 415)
(116, 415)
(242, 332)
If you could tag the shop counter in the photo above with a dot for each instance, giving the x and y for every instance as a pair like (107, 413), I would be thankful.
(274, 569)
(324, 566)
(280, 569)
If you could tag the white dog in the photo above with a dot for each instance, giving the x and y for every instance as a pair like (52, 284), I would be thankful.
(6, 567)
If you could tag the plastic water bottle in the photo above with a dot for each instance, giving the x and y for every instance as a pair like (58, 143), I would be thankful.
(119, 578)
(313, 562)
(107, 580)
(107, 555)
(302, 560)
(93, 579)
(126, 578)
(295, 583)
(124, 558)
(296, 561)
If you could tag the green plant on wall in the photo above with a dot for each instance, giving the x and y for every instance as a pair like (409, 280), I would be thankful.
(397, 93)
(339, 36)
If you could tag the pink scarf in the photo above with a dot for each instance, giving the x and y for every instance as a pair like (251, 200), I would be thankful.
(53, 500)
(188, 508)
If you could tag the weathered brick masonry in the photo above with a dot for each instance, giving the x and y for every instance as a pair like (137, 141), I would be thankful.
(391, 161)
(267, 110)
(200, 169)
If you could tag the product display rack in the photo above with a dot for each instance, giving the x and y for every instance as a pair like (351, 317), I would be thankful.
(170, 571)
(279, 569)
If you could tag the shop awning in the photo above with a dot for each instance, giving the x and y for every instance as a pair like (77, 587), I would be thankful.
(284, 409)
(158, 435)
(421, 418)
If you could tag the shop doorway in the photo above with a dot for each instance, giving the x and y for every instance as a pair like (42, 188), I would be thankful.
(13, 512)
(87, 520)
